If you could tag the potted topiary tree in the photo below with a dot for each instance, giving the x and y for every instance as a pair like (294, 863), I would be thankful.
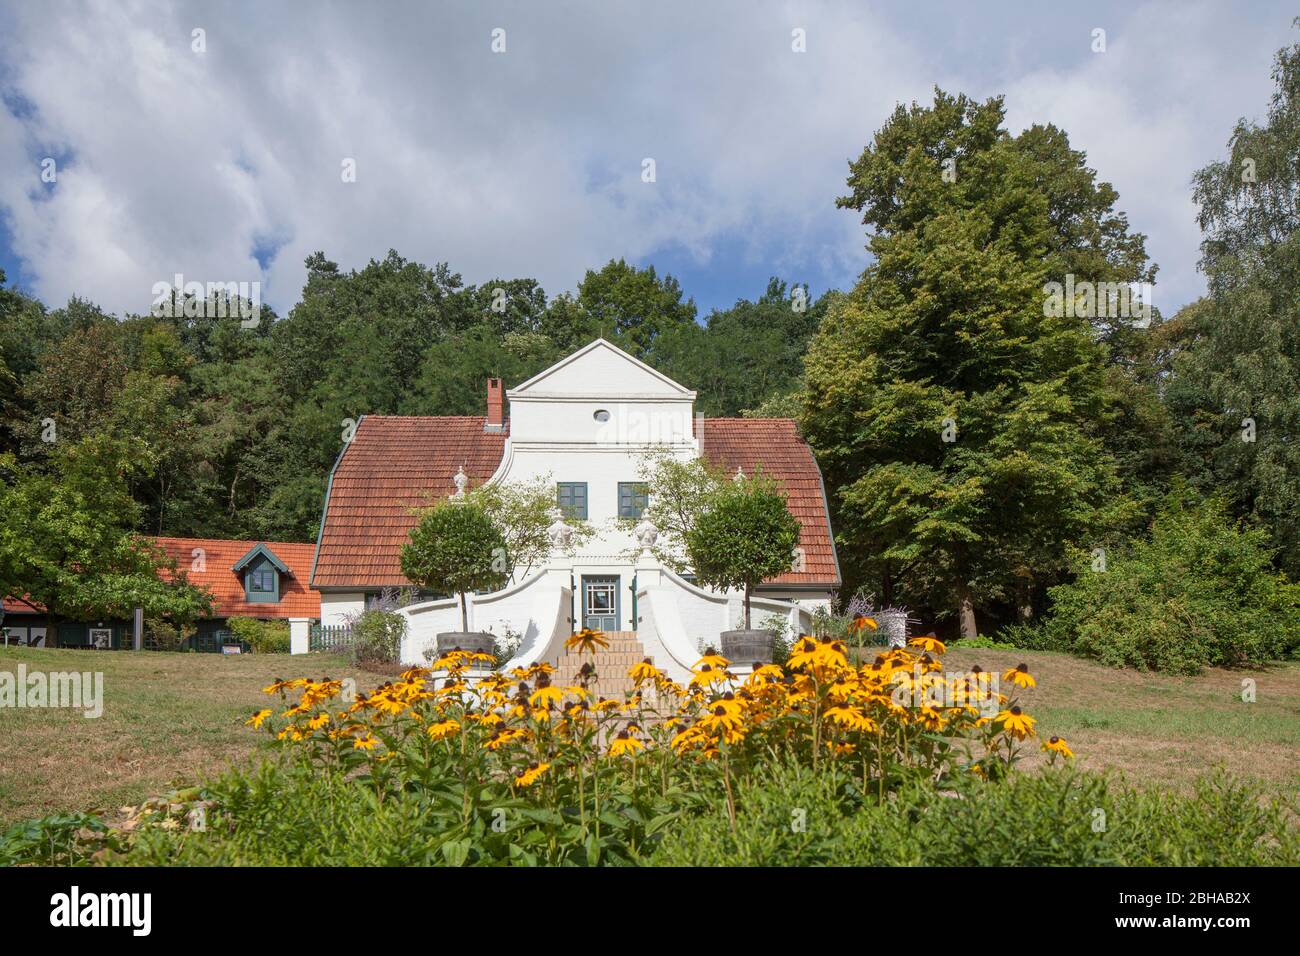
(454, 549)
(744, 536)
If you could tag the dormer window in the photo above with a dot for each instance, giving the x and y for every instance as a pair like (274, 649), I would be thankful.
(261, 571)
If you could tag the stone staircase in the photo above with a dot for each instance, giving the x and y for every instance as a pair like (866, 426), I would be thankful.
(611, 663)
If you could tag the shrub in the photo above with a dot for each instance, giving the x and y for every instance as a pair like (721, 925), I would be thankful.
(377, 636)
(162, 635)
(1199, 590)
(264, 637)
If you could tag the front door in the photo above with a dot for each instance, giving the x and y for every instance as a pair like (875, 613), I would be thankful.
(600, 602)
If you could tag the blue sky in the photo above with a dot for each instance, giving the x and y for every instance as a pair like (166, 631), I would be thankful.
(221, 160)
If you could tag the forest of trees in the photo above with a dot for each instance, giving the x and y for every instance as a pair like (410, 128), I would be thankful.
(973, 441)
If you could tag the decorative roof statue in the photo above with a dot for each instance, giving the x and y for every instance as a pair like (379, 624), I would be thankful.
(647, 535)
(739, 475)
(462, 481)
(560, 533)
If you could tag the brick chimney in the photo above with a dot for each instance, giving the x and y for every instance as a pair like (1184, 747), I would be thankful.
(496, 407)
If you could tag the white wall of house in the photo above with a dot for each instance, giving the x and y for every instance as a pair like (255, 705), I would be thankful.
(337, 607)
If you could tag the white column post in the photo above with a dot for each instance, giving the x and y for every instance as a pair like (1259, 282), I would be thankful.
(299, 635)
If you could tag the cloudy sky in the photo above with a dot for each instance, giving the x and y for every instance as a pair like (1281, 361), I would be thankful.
(226, 163)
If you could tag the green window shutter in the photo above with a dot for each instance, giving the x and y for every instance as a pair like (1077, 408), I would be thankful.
(571, 496)
(633, 496)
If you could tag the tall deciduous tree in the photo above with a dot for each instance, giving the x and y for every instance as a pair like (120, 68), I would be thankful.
(66, 539)
(956, 417)
(1235, 391)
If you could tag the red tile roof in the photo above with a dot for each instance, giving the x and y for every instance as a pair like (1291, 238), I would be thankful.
(15, 606)
(396, 464)
(227, 587)
(776, 445)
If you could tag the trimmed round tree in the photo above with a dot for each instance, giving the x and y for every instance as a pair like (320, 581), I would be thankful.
(745, 536)
(456, 548)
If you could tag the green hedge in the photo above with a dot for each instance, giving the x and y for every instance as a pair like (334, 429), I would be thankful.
(1199, 590)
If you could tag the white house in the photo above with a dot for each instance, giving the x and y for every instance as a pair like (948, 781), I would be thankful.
(586, 423)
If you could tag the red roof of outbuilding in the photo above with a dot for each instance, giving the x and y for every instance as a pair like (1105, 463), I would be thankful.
(397, 464)
(227, 587)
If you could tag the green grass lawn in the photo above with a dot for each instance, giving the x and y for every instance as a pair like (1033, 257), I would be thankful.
(1155, 728)
(168, 719)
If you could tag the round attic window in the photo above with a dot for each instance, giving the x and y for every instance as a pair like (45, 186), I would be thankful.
(601, 415)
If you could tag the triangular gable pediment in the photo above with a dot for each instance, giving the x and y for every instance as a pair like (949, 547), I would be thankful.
(261, 551)
(601, 369)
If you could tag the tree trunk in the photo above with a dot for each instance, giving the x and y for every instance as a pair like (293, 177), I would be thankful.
(1024, 599)
(464, 614)
(747, 607)
(966, 612)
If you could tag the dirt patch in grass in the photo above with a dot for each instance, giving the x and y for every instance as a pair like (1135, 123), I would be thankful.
(167, 719)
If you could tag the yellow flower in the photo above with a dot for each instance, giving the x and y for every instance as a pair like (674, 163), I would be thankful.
(531, 775)
(257, 718)
(818, 656)
(861, 623)
(853, 718)
(722, 715)
(1057, 745)
(282, 684)
(1019, 675)
(644, 671)
(365, 743)
(708, 674)
(444, 729)
(1017, 724)
(625, 743)
(929, 643)
(712, 660)
(546, 696)
(503, 737)
(931, 719)
(587, 641)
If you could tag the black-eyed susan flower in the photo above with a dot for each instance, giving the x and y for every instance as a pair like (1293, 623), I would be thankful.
(707, 675)
(444, 729)
(545, 697)
(1019, 675)
(365, 742)
(587, 641)
(929, 643)
(1017, 723)
(852, 718)
(1057, 745)
(644, 671)
(712, 659)
(625, 743)
(503, 737)
(862, 623)
(257, 718)
(532, 774)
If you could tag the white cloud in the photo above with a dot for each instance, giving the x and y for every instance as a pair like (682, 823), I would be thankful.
(529, 162)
